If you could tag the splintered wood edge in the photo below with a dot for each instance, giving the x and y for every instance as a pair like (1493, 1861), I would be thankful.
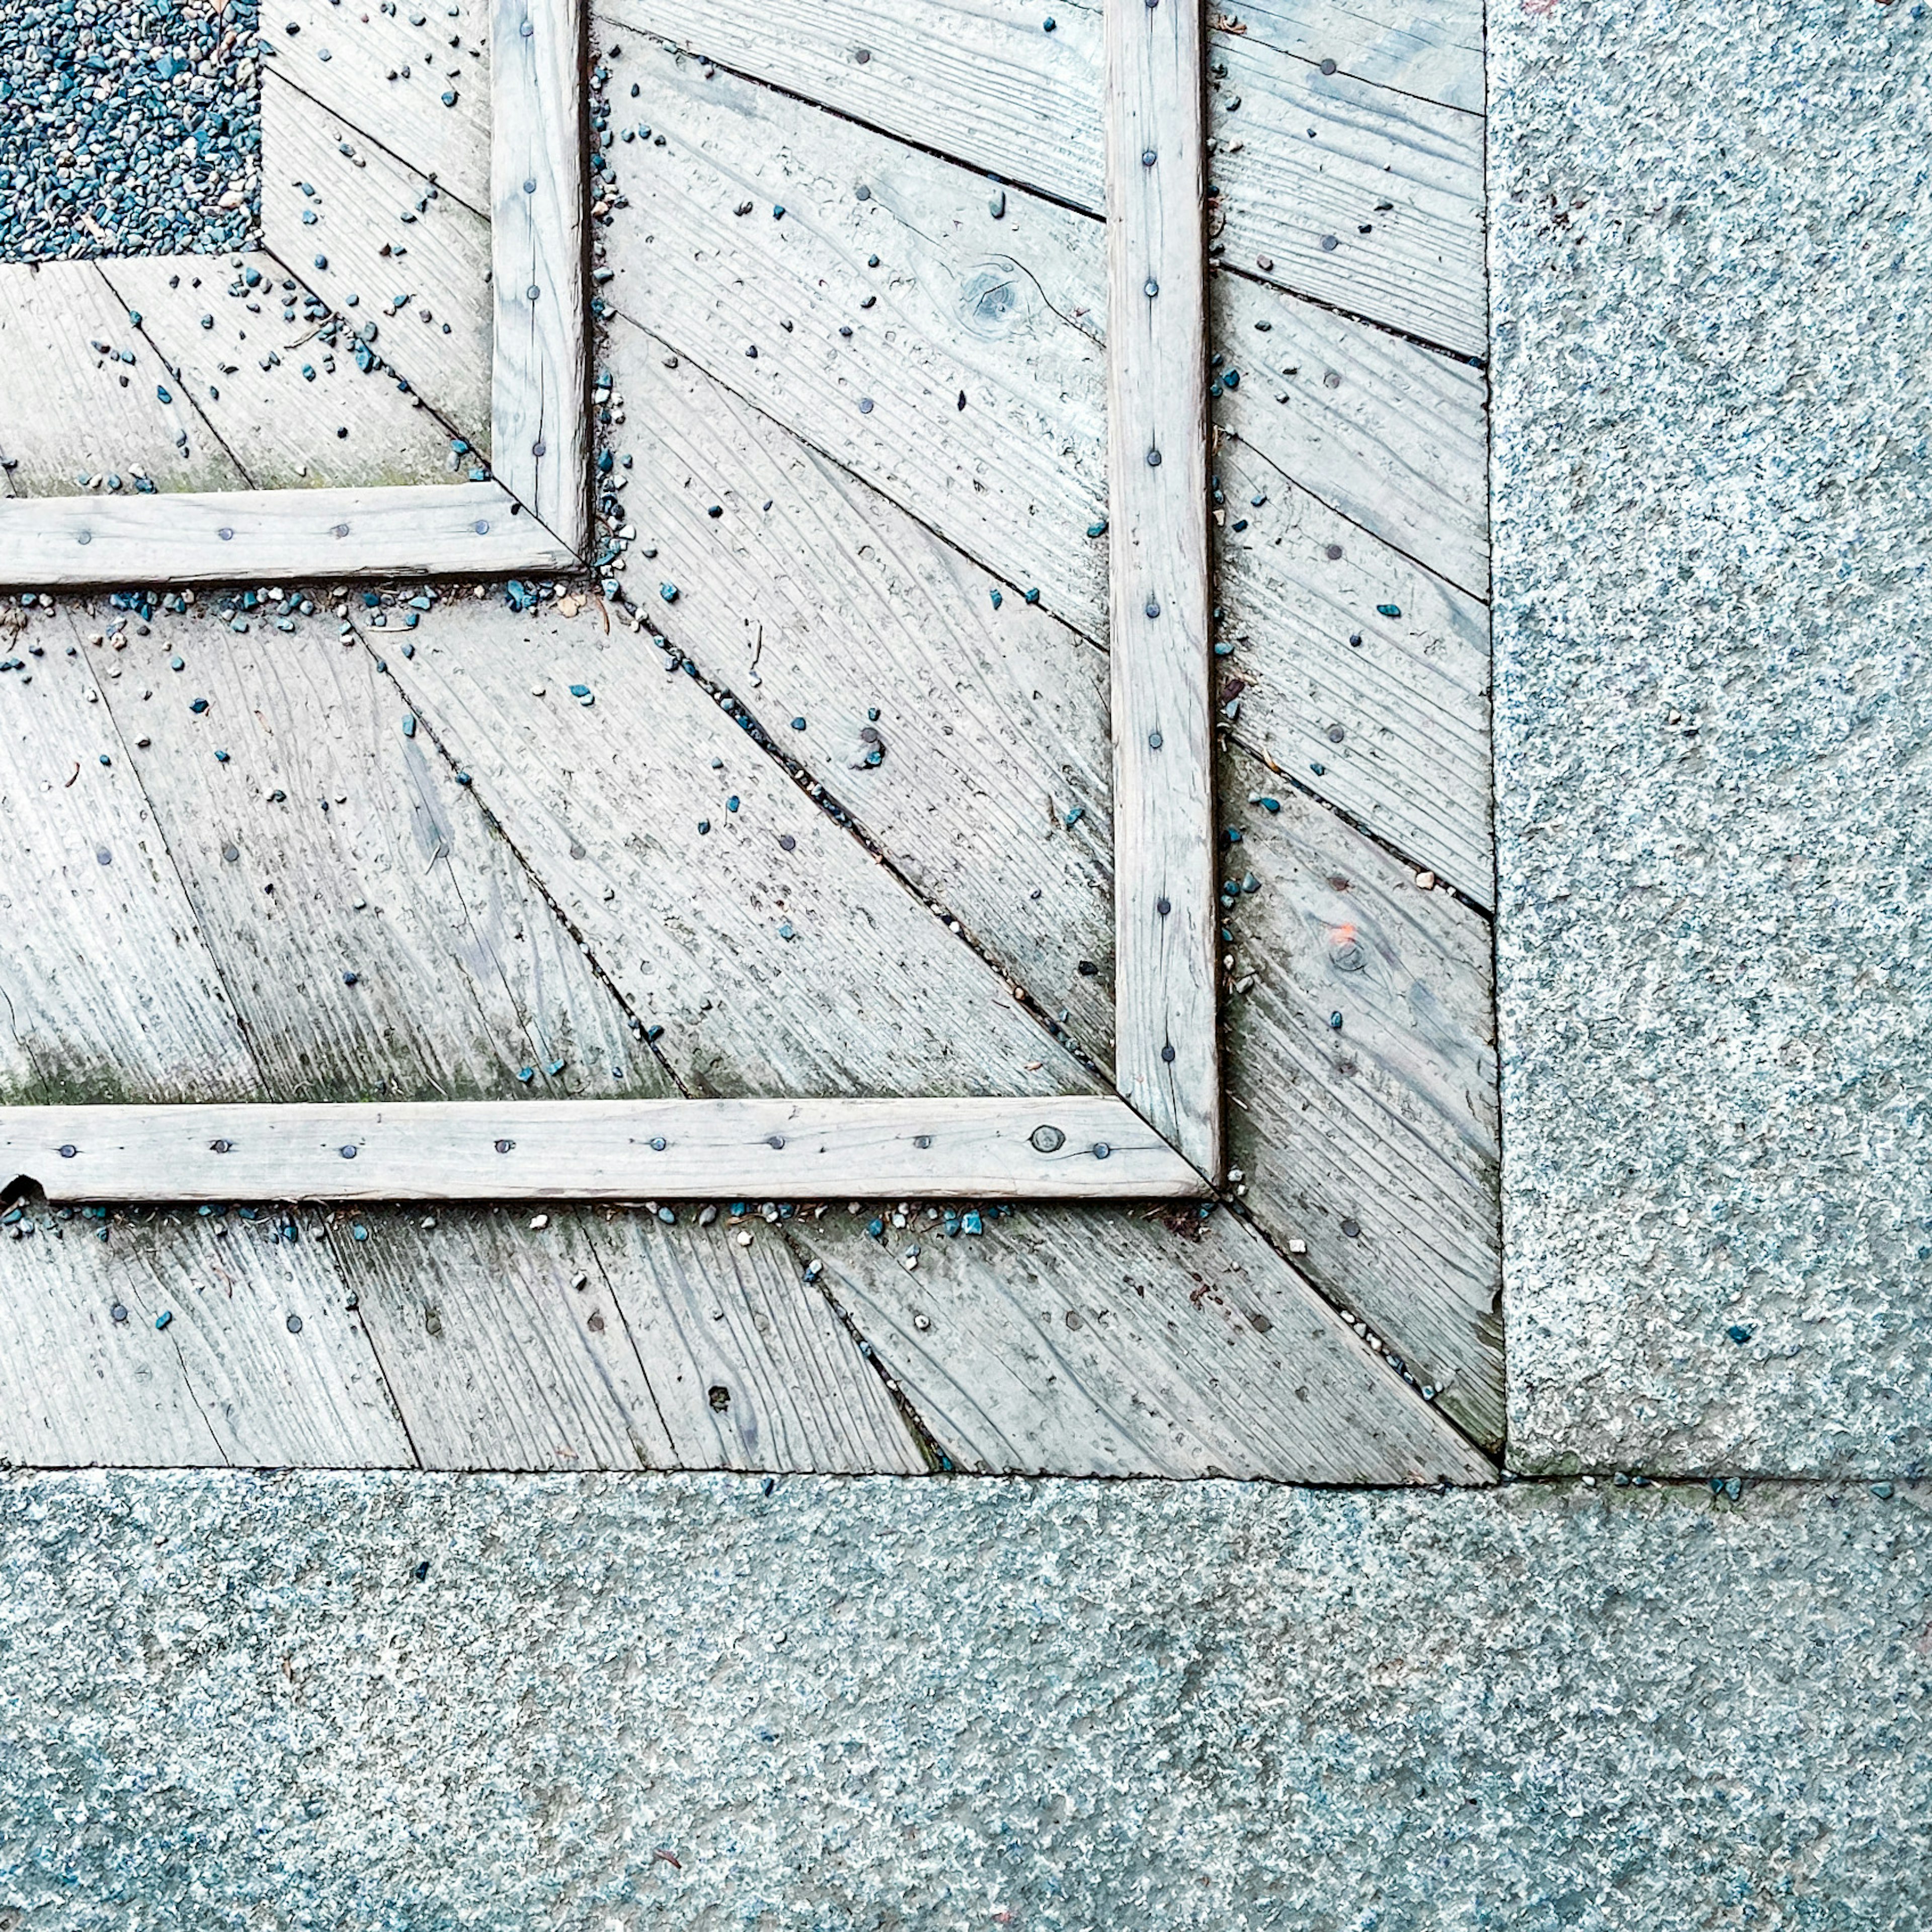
(1080, 1147)
(244, 536)
(539, 429)
(1167, 1048)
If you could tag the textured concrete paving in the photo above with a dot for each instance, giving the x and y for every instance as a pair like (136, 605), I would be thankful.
(1712, 264)
(232, 1701)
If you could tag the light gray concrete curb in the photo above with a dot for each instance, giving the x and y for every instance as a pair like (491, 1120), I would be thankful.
(421, 1702)
(1711, 261)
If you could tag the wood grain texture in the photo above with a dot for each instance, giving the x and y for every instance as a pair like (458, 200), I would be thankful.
(384, 74)
(111, 992)
(1095, 1339)
(1374, 1142)
(267, 1336)
(749, 1366)
(68, 411)
(236, 1346)
(258, 536)
(1363, 198)
(77, 1388)
(968, 383)
(1393, 437)
(382, 232)
(1436, 52)
(1166, 1049)
(1055, 1148)
(1398, 725)
(979, 81)
(280, 424)
(800, 969)
(541, 436)
(497, 1359)
(811, 597)
(376, 936)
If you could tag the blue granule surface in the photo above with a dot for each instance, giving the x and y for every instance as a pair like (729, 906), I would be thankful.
(128, 128)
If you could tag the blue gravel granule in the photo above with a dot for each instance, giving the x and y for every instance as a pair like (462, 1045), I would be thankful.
(128, 127)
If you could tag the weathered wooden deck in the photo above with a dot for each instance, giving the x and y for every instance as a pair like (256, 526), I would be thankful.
(851, 376)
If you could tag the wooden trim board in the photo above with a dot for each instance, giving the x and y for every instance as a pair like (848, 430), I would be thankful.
(1166, 1053)
(535, 518)
(1162, 1138)
(1076, 1147)
(218, 537)
(539, 430)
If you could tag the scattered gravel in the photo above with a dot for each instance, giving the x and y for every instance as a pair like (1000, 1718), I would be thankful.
(128, 130)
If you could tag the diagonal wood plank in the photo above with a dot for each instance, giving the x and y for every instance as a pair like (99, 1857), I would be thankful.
(384, 74)
(1393, 728)
(1372, 1142)
(376, 937)
(1363, 198)
(1434, 53)
(498, 1360)
(1393, 437)
(950, 358)
(978, 80)
(776, 955)
(267, 1334)
(185, 1340)
(1095, 1341)
(382, 231)
(812, 597)
(213, 332)
(68, 411)
(982, 81)
(76, 1386)
(750, 1368)
(111, 990)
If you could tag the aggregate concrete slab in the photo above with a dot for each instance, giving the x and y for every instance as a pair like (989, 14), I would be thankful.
(1711, 264)
(417, 1701)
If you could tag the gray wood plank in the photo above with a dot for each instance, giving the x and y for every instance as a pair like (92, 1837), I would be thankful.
(234, 1347)
(801, 970)
(67, 411)
(1006, 312)
(1434, 52)
(811, 597)
(981, 82)
(463, 976)
(751, 1368)
(385, 72)
(1167, 1051)
(76, 1387)
(1363, 198)
(281, 425)
(1393, 437)
(1099, 1342)
(111, 990)
(978, 80)
(540, 427)
(1374, 1142)
(1096, 1148)
(267, 1335)
(1394, 729)
(383, 231)
(497, 1360)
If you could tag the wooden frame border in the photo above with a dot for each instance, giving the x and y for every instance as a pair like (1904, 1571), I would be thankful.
(534, 516)
(1162, 1136)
